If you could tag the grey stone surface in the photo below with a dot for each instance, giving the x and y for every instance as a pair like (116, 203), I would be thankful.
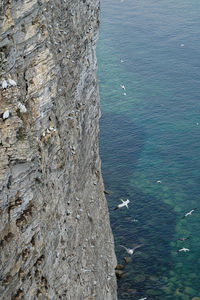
(55, 236)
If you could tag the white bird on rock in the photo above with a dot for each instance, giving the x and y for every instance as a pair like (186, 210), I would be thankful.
(4, 84)
(131, 251)
(183, 250)
(6, 114)
(11, 82)
(22, 107)
(124, 203)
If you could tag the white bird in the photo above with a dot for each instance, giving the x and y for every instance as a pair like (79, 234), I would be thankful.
(183, 239)
(6, 114)
(124, 203)
(4, 84)
(182, 45)
(22, 107)
(183, 250)
(159, 181)
(124, 94)
(123, 87)
(189, 213)
(131, 251)
(134, 220)
(11, 82)
(121, 60)
(143, 298)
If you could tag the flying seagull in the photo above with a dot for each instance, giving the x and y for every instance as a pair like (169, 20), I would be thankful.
(123, 87)
(131, 251)
(124, 203)
(183, 250)
(183, 239)
(189, 213)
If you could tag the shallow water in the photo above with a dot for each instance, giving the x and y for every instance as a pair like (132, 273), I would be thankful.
(151, 134)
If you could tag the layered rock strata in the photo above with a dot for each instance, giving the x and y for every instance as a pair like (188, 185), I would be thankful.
(55, 236)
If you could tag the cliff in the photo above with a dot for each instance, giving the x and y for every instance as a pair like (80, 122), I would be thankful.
(55, 236)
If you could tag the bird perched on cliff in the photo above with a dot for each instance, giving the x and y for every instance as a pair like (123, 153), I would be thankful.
(183, 250)
(11, 82)
(6, 114)
(4, 84)
(132, 250)
(124, 203)
(189, 213)
(22, 107)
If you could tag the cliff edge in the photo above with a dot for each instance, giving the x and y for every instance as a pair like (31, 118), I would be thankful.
(55, 236)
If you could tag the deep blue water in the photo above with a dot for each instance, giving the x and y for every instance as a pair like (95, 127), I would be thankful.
(152, 133)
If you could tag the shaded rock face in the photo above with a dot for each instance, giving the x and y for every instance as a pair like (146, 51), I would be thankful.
(55, 236)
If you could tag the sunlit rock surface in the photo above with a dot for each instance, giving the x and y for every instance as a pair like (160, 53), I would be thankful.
(55, 236)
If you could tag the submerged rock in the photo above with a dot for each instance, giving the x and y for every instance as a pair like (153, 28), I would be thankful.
(153, 278)
(132, 291)
(140, 278)
(190, 291)
(126, 259)
(119, 274)
(119, 267)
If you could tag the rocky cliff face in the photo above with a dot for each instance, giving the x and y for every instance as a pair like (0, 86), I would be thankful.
(55, 236)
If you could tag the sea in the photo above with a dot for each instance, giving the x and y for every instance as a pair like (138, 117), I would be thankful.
(149, 82)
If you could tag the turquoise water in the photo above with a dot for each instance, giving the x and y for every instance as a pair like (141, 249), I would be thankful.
(152, 133)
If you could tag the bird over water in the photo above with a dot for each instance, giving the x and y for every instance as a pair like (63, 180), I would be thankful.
(132, 250)
(124, 203)
(183, 250)
(189, 213)
(183, 239)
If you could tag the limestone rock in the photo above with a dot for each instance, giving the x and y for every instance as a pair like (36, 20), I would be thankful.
(53, 246)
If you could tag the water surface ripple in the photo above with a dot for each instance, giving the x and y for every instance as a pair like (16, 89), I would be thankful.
(152, 134)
